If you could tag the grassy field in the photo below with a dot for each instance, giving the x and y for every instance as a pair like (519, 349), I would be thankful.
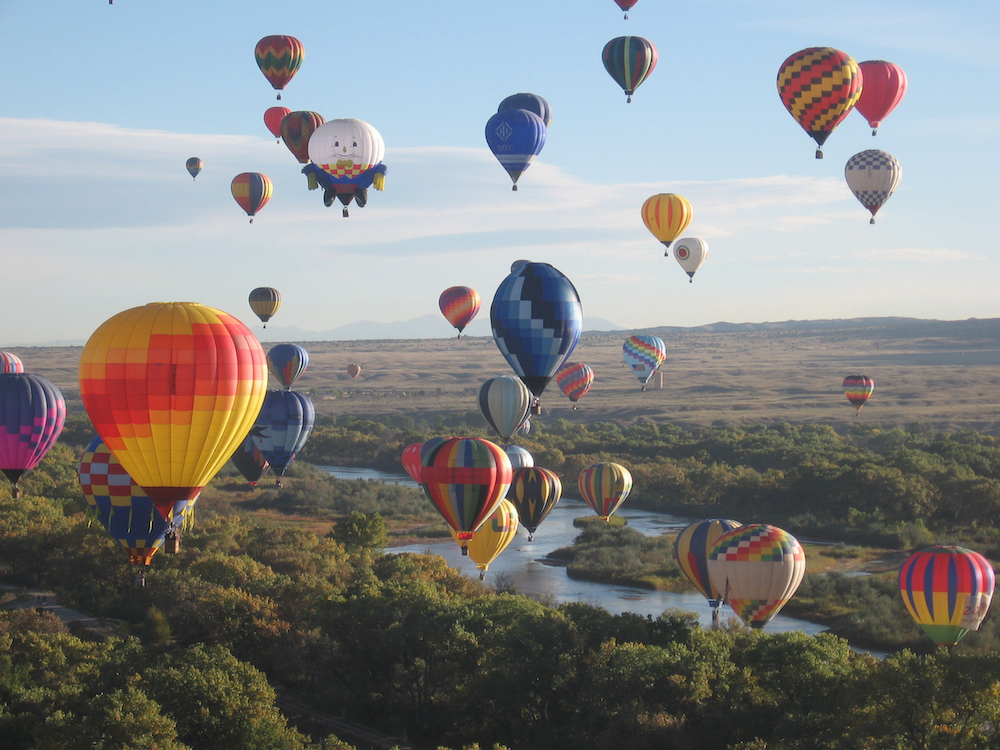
(940, 373)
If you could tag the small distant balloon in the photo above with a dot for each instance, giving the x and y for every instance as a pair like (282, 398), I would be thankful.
(296, 130)
(884, 88)
(644, 354)
(666, 216)
(691, 252)
(272, 119)
(265, 301)
(279, 58)
(194, 165)
(629, 60)
(287, 362)
(626, 5)
(604, 487)
(575, 380)
(252, 191)
(459, 304)
(873, 177)
(354, 370)
(858, 389)
(516, 137)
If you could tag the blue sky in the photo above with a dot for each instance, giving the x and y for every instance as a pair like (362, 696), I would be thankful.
(108, 101)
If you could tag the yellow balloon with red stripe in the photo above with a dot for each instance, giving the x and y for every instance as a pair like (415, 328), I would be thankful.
(173, 388)
(666, 216)
(604, 487)
(492, 537)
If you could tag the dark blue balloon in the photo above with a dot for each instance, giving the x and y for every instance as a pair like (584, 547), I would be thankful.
(537, 319)
(531, 102)
(282, 428)
(287, 362)
(515, 136)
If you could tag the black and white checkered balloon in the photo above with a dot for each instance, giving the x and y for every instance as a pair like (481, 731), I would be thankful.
(873, 176)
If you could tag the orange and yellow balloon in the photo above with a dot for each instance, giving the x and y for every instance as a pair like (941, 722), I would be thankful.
(173, 388)
(605, 487)
(666, 216)
(492, 537)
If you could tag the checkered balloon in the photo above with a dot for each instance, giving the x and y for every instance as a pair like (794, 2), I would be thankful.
(873, 176)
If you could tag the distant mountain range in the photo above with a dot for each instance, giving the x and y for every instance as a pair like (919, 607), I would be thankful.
(435, 327)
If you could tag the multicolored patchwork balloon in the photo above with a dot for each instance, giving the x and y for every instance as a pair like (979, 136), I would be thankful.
(575, 379)
(252, 191)
(173, 388)
(10, 363)
(534, 492)
(666, 216)
(459, 304)
(858, 389)
(249, 461)
(948, 591)
(32, 414)
(691, 550)
(279, 58)
(885, 87)
(537, 319)
(122, 507)
(757, 569)
(516, 137)
(644, 354)
(491, 538)
(265, 301)
(629, 60)
(287, 362)
(873, 177)
(504, 402)
(819, 86)
(465, 479)
(604, 487)
(691, 252)
(284, 424)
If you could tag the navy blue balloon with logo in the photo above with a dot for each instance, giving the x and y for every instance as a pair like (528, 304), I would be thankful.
(515, 136)
(282, 428)
(537, 319)
(532, 103)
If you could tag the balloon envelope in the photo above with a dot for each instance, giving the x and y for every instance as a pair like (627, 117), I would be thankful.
(279, 58)
(819, 87)
(265, 301)
(691, 252)
(411, 460)
(531, 102)
(948, 591)
(629, 60)
(534, 492)
(644, 354)
(285, 421)
(575, 379)
(604, 487)
(252, 191)
(520, 458)
(537, 319)
(691, 549)
(273, 117)
(492, 537)
(757, 569)
(296, 129)
(173, 388)
(249, 461)
(32, 414)
(884, 88)
(516, 137)
(10, 363)
(666, 216)
(287, 362)
(353, 370)
(193, 166)
(459, 304)
(504, 402)
(873, 177)
(858, 389)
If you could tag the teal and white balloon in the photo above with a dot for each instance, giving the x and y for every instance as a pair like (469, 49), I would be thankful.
(873, 177)
(504, 402)
(690, 252)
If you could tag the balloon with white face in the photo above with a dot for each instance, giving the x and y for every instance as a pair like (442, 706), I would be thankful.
(691, 252)
(346, 159)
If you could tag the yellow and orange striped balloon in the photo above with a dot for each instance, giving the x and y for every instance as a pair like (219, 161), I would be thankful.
(666, 216)
(173, 388)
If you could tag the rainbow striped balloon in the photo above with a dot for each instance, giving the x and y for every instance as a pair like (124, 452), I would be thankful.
(459, 304)
(858, 389)
(575, 380)
(644, 354)
(947, 590)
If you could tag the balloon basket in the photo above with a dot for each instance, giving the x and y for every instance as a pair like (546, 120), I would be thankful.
(819, 153)
(346, 214)
(172, 544)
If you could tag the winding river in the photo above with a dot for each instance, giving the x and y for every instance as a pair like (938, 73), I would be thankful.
(524, 565)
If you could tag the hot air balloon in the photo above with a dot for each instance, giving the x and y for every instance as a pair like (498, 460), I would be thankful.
(531, 102)
(273, 117)
(265, 301)
(252, 190)
(819, 86)
(122, 507)
(885, 87)
(858, 389)
(459, 305)
(517, 264)
(604, 487)
(626, 5)
(666, 215)
(516, 137)
(287, 362)
(691, 549)
(947, 590)
(249, 461)
(10, 363)
(279, 58)
(346, 160)
(296, 130)
(491, 538)
(282, 428)
(537, 319)
(873, 177)
(504, 402)
(534, 492)
(524, 428)
(520, 458)
(353, 370)
(691, 252)
(465, 479)
(575, 380)
(629, 60)
(32, 414)
(173, 388)
(411, 460)
(644, 354)
(194, 165)
(757, 568)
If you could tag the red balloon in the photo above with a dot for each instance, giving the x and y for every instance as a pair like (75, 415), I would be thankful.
(273, 118)
(411, 460)
(459, 304)
(885, 86)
